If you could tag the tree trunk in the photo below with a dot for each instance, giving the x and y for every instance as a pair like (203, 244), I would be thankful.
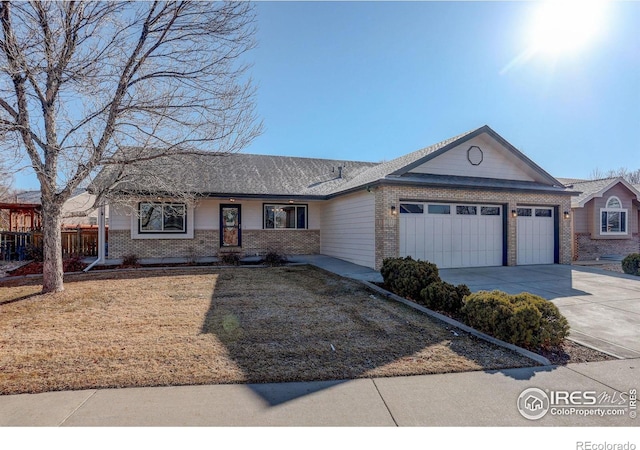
(52, 275)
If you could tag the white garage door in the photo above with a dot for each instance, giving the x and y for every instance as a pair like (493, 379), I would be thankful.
(452, 235)
(535, 235)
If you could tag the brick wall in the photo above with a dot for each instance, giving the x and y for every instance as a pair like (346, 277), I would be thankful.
(587, 249)
(388, 229)
(207, 243)
(204, 243)
(289, 242)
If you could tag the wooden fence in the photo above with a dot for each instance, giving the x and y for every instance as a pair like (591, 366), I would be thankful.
(18, 246)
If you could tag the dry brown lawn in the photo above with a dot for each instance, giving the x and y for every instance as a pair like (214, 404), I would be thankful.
(200, 326)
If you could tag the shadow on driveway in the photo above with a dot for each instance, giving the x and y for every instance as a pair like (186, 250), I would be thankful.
(602, 307)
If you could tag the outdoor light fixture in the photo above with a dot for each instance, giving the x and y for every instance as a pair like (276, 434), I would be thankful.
(393, 210)
(566, 214)
(290, 201)
(514, 213)
(232, 200)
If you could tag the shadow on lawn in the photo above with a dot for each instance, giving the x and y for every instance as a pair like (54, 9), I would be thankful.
(119, 274)
(302, 324)
(17, 299)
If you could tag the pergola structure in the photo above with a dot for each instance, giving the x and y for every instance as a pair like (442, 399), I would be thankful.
(22, 217)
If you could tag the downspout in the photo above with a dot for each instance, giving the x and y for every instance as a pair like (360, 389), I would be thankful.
(101, 239)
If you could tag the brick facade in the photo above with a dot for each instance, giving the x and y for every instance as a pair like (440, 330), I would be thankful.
(207, 243)
(387, 229)
(289, 242)
(588, 249)
(204, 243)
(388, 225)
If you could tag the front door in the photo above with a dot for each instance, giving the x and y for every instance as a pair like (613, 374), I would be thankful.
(230, 223)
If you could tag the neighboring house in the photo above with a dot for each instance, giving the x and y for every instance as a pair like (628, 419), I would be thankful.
(23, 228)
(20, 217)
(605, 217)
(473, 200)
(79, 203)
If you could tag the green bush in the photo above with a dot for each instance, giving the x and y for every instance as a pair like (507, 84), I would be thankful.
(631, 264)
(442, 296)
(407, 277)
(523, 319)
(488, 312)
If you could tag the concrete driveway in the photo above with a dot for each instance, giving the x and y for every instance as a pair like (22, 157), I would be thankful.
(602, 307)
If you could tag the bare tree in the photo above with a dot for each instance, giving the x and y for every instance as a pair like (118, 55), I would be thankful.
(6, 183)
(632, 176)
(6, 194)
(89, 85)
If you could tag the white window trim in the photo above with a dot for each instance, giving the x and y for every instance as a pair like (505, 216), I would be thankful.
(613, 197)
(615, 210)
(135, 234)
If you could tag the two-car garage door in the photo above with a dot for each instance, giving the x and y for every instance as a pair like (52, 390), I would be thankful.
(459, 235)
(452, 235)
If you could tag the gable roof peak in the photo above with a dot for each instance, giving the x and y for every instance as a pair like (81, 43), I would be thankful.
(597, 188)
(434, 151)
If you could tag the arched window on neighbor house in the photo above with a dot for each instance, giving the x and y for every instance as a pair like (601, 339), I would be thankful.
(613, 218)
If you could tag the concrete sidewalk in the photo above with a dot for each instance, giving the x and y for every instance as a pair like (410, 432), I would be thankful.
(339, 267)
(460, 399)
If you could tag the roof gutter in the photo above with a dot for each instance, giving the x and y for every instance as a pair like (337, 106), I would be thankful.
(400, 182)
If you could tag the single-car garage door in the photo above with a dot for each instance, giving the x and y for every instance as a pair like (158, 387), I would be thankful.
(452, 235)
(536, 237)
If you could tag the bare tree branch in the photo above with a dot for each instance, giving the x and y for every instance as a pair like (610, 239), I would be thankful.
(631, 176)
(84, 83)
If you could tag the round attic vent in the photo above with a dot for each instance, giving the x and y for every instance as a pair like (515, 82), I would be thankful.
(474, 155)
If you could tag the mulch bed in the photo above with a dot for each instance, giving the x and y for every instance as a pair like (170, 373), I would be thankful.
(569, 352)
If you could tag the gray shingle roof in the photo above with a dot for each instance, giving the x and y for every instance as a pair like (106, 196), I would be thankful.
(589, 188)
(34, 196)
(265, 175)
(570, 181)
(380, 171)
(276, 175)
(244, 174)
(28, 197)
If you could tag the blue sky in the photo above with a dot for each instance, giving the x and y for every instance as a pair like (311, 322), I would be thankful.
(375, 80)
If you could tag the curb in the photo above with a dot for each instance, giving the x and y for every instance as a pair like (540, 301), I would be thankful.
(140, 269)
(454, 323)
(593, 347)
